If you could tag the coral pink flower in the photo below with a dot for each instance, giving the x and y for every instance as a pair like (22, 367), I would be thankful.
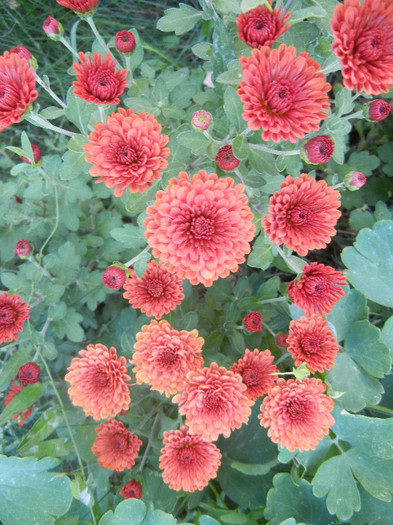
(29, 373)
(225, 159)
(261, 26)
(297, 413)
(363, 42)
(114, 277)
(132, 489)
(302, 215)
(282, 94)
(163, 356)
(318, 150)
(377, 110)
(14, 391)
(200, 229)
(253, 322)
(23, 248)
(201, 119)
(127, 152)
(214, 402)
(188, 462)
(79, 6)
(115, 447)
(156, 293)
(98, 382)
(125, 42)
(355, 180)
(318, 289)
(13, 314)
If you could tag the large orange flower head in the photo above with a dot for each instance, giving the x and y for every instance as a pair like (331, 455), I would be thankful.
(156, 293)
(115, 447)
(188, 462)
(14, 391)
(163, 356)
(303, 214)
(98, 382)
(13, 314)
(79, 6)
(214, 402)
(17, 88)
(282, 94)
(363, 42)
(297, 413)
(200, 228)
(127, 152)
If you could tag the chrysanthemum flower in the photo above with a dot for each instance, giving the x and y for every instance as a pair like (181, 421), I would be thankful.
(256, 368)
(261, 26)
(377, 110)
(14, 391)
(132, 489)
(297, 413)
(318, 150)
(363, 42)
(302, 215)
(282, 94)
(23, 248)
(79, 6)
(115, 447)
(22, 52)
(17, 88)
(98, 382)
(97, 81)
(253, 322)
(310, 341)
(156, 293)
(201, 120)
(13, 314)
(214, 402)
(127, 152)
(29, 373)
(125, 42)
(114, 277)
(225, 159)
(200, 229)
(188, 462)
(318, 289)
(282, 340)
(163, 356)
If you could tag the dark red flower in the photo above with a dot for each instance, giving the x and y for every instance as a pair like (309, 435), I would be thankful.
(23, 248)
(29, 373)
(114, 277)
(318, 150)
(282, 340)
(225, 158)
(253, 322)
(125, 42)
(132, 489)
(36, 155)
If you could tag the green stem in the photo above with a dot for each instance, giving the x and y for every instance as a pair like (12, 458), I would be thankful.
(338, 185)
(248, 191)
(69, 47)
(384, 410)
(40, 255)
(92, 25)
(157, 52)
(274, 151)
(268, 6)
(274, 300)
(137, 257)
(357, 114)
(43, 84)
(130, 79)
(265, 325)
(41, 122)
(282, 358)
(291, 264)
(216, 493)
(101, 111)
(208, 136)
(148, 446)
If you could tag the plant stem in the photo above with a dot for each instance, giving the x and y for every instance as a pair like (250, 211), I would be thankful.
(288, 6)
(43, 84)
(291, 264)
(130, 79)
(384, 410)
(282, 358)
(248, 191)
(41, 122)
(208, 136)
(275, 151)
(357, 114)
(137, 257)
(219, 499)
(338, 185)
(92, 25)
(69, 47)
(148, 446)
(101, 110)
(269, 329)
(157, 52)
(54, 228)
(274, 300)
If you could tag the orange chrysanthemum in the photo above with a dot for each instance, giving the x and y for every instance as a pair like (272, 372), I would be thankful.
(318, 289)
(310, 341)
(256, 368)
(163, 356)
(214, 402)
(302, 215)
(200, 229)
(363, 42)
(156, 293)
(115, 446)
(79, 6)
(262, 26)
(188, 462)
(127, 152)
(14, 391)
(17, 88)
(297, 413)
(13, 314)
(98, 382)
(282, 94)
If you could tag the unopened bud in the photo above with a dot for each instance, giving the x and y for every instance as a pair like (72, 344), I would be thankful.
(23, 248)
(53, 28)
(225, 158)
(317, 150)
(114, 277)
(125, 42)
(355, 180)
(201, 120)
(377, 110)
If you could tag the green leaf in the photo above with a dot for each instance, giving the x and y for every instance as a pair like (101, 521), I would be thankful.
(51, 112)
(42, 428)
(203, 50)
(349, 309)
(22, 401)
(343, 102)
(194, 140)
(73, 165)
(373, 511)
(69, 326)
(363, 161)
(141, 265)
(26, 146)
(240, 147)
(233, 109)
(180, 20)
(262, 254)
(11, 367)
(129, 235)
(386, 336)
(79, 111)
(134, 512)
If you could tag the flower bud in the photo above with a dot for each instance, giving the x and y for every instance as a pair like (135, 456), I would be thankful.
(114, 277)
(29, 373)
(354, 180)
(36, 155)
(201, 120)
(282, 340)
(22, 52)
(23, 248)
(125, 42)
(225, 158)
(377, 110)
(253, 322)
(53, 28)
(317, 150)
(132, 489)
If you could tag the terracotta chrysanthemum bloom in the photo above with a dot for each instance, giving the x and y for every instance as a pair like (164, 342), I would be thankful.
(302, 214)
(14, 391)
(363, 42)
(297, 413)
(282, 94)
(115, 447)
(13, 314)
(79, 6)
(98, 382)
(318, 150)
(127, 152)
(261, 26)
(163, 356)
(156, 293)
(318, 289)
(188, 462)
(253, 322)
(17, 88)
(310, 341)
(114, 277)
(97, 81)
(256, 368)
(225, 159)
(29, 373)
(200, 229)
(214, 402)
(132, 489)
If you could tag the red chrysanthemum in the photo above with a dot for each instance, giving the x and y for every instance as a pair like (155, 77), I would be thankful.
(13, 314)
(97, 81)
(225, 159)
(114, 277)
(14, 391)
(200, 229)
(214, 402)
(127, 152)
(23, 248)
(318, 150)
(132, 489)
(98, 382)
(261, 26)
(310, 341)
(282, 94)
(79, 6)
(17, 88)
(363, 42)
(318, 289)
(256, 369)
(188, 462)
(163, 356)
(22, 52)
(297, 413)
(156, 293)
(302, 215)
(125, 41)
(29, 373)
(115, 447)
(253, 322)
(377, 110)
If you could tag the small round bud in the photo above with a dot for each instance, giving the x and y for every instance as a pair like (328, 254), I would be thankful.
(22, 52)
(355, 180)
(282, 340)
(53, 28)
(36, 154)
(29, 373)
(317, 150)
(132, 489)
(125, 42)
(377, 110)
(253, 322)
(201, 120)
(23, 248)
(114, 277)
(225, 158)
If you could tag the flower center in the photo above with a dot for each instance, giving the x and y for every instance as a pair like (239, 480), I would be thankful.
(280, 96)
(101, 83)
(315, 286)
(119, 443)
(155, 287)
(251, 376)
(371, 44)
(212, 401)
(294, 409)
(310, 345)
(168, 355)
(127, 155)
(186, 456)
(299, 216)
(7, 315)
(202, 227)
(100, 378)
